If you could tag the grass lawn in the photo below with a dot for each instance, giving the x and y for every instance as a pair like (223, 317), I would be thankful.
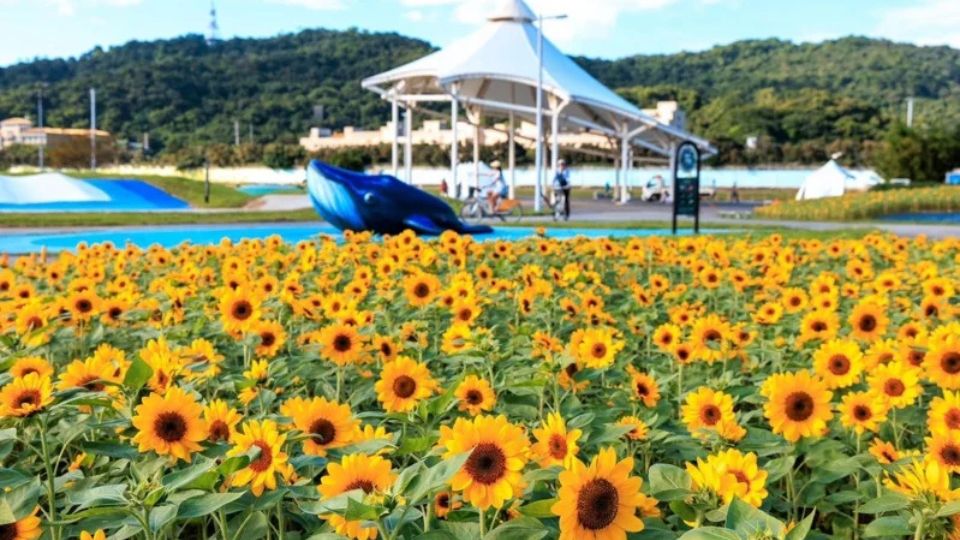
(191, 191)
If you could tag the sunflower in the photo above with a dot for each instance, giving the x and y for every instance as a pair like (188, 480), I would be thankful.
(91, 374)
(328, 424)
(710, 339)
(31, 364)
(899, 383)
(945, 449)
(83, 306)
(730, 474)
(386, 348)
(221, 420)
(25, 528)
(456, 339)
(202, 360)
(863, 411)
(869, 321)
(597, 348)
(443, 503)
(880, 352)
(99, 534)
(261, 472)
(498, 452)
(25, 396)
(943, 415)
(768, 313)
(239, 309)
(403, 383)
(839, 363)
(798, 405)
(921, 478)
(370, 474)
(706, 409)
(421, 289)
(555, 444)
(169, 424)
(644, 386)
(30, 323)
(476, 395)
(272, 337)
(638, 428)
(341, 344)
(666, 335)
(942, 363)
(818, 325)
(600, 500)
(885, 453)
(794, 300)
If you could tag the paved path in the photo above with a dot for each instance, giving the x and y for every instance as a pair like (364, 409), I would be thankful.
(270, 203)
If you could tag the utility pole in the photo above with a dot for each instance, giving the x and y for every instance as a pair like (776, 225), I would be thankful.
(236, 133)
(43, 140)
(910, 112)
(93, 129)
(250, 125)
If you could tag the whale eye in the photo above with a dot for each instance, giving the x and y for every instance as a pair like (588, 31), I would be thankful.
(369, 198)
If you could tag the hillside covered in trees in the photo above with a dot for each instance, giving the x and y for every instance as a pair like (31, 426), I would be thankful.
(803, 101)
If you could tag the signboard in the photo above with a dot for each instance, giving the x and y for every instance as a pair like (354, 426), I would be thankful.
(686, 184)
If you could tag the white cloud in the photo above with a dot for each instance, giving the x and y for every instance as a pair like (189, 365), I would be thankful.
(414, 15)
(318, 5)
(928, 22)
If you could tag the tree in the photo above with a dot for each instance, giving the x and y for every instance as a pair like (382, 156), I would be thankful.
(922, 154)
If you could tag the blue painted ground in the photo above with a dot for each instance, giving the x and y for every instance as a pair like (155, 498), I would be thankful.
(926, 217)
(212, 234)
(125, 196)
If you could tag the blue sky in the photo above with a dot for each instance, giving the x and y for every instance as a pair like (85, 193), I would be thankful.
(604, 28)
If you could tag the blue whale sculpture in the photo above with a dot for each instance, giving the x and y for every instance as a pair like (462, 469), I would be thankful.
(379, 203)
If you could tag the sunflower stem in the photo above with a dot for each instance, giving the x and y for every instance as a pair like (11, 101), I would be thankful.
(51, 490)
(856, 503)
(281, 533)
(483, 530)
(339, 381)
(918, 534)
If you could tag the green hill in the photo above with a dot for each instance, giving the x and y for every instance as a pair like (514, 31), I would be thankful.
(802, 100)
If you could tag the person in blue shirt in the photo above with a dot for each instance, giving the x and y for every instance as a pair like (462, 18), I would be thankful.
(562, 182)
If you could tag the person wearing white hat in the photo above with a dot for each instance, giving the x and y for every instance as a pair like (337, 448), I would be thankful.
(497, 189)
(562, 182)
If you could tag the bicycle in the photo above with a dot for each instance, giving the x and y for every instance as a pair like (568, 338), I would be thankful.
(556, 203)
(476, 209)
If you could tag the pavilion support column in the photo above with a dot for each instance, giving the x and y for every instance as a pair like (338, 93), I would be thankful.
(477, 133)
(554, 145)
(394, 140)
(625, 163)
(454, 186)
(512, 158)
(408, 145)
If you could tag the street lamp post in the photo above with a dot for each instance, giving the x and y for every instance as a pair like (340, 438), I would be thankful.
(43, 142)
(538, 160)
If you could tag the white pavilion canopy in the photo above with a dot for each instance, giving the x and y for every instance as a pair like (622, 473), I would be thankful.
(494, 72)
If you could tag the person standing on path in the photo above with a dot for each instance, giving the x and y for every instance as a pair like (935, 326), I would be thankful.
(562, 181)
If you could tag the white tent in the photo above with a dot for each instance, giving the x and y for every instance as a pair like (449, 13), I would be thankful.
(47, 188)
(494, 72)
(827, 181)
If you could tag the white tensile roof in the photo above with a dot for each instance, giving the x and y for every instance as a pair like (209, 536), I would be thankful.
(47, 188)
(827, 181)
(497, 66)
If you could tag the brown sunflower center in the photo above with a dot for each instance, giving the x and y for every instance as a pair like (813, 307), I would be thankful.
(915, 357)
(862, 413)
(557, 446)
(443, 500)
(114, 312)
(950, 455)
(27, 398)
(710, 415)
(267, 339)
(741, 477)
(34, 322)
(9, 532)
(342, 343)
(421, 290)
(599, 350)
(799, 406)
(241, 310)
(868, 323)
(361, 483)
(642, 389)
(474, 397)
(839, 365)
(597, 504)
(323, 431)
(83, 305)
(952, 418)
(386, 349)
(818, 326)
(711, 335)
(571, 369)
(950, 362)
(486, 464)
(894, 387)
(90, 383)
(404, 386)
(170, 426)
(265, 458)
(219, 431)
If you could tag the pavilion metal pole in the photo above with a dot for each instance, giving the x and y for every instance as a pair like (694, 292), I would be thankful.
(43, 141)
(555, 144)
(454, 186)
(395, 142)
(625, 163)
(512, 158)
(538, 159)
(93, 129)
(623, 196)
(476, 153)
(408, 145)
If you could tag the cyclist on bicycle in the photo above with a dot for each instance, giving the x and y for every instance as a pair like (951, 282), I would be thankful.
(561, 182)
(497, 189)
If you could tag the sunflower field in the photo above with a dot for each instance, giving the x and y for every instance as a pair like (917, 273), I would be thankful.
(401, 388)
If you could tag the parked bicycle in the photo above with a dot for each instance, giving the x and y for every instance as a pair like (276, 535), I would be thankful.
(477, 208)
